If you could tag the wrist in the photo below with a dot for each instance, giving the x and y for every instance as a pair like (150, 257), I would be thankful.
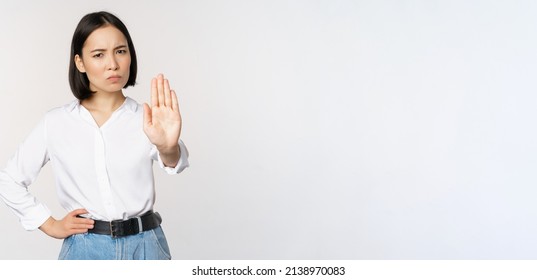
(168, 150)
(47, 226)
(170, 156)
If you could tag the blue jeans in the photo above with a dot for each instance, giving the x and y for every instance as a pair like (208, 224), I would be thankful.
(147, 245)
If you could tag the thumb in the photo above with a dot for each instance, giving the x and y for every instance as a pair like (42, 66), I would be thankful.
(147, 115)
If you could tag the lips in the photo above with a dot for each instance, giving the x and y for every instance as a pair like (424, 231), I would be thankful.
(114, 79)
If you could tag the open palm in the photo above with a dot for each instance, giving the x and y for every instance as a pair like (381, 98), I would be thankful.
(162, 120)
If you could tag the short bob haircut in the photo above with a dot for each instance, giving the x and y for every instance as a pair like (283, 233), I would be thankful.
(79, 81)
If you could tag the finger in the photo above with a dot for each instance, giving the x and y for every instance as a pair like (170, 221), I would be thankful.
(175, 103)
(78, 227)
(148, 119)
(160, 90)
(83, 222)
(154, 96)
(77, 212)
(82, 225)
(74, 218)
(167, 97)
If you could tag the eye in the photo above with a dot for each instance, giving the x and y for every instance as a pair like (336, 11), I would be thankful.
(98, 55)
(121, 51)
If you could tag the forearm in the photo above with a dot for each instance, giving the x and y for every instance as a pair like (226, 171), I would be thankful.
(48, 226)
(14, 193)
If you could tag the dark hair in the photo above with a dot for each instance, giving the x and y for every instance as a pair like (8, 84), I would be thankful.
(79, 81)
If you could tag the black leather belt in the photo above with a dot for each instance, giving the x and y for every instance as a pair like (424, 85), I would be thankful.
(119, 228)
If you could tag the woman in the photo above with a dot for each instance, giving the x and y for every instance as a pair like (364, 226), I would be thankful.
(102, 147)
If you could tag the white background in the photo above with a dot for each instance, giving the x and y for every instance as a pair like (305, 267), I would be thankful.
(316, 129)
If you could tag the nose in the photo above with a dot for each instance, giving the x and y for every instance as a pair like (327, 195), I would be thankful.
(112, 63)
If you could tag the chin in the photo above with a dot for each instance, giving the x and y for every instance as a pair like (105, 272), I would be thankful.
(116, 87)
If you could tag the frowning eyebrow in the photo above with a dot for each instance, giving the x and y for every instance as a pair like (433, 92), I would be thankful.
(102, 50)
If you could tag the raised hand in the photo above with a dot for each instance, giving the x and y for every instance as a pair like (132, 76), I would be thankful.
(162, 120)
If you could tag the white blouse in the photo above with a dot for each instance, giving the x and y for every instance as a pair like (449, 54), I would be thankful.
(107, 170)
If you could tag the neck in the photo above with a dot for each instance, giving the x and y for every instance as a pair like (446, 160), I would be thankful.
(104, 102)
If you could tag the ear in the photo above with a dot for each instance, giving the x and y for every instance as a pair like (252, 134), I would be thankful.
(79, 64)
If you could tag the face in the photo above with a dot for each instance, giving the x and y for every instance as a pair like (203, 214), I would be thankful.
(105, 60)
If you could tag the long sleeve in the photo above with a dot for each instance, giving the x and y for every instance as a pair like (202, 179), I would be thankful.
(107, 170)
(21, 171)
